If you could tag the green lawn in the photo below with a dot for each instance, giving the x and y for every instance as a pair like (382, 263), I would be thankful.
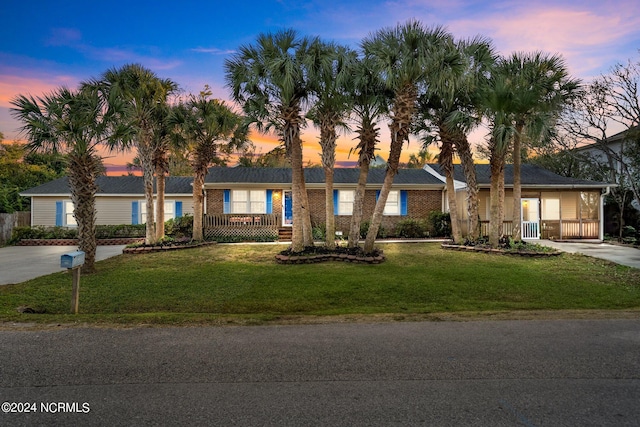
(242, 283)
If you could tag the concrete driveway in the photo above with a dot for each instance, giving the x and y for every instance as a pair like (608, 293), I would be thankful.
(623, 255)
(21, 263)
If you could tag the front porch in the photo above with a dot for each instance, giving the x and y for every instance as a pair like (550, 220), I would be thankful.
(254, 226)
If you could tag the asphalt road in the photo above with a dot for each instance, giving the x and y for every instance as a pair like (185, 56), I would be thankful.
(491, 373)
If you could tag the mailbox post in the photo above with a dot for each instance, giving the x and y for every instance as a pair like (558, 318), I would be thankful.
(73, 261)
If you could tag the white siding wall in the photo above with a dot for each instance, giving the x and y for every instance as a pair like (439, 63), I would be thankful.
(110, 210)
(43, 210)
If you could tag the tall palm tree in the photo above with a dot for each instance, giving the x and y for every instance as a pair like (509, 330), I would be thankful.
(269, 80)
(70, 122)
(541, 88)
(498, 106)
(209, 127)
(135, 94)
(450, 113)
(370, 102)
(405, 56)
(328, 70)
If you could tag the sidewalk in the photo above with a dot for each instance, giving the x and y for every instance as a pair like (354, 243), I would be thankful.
(623, 255)
(21, 263)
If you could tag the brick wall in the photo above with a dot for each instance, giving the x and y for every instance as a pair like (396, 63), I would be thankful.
(419, 204)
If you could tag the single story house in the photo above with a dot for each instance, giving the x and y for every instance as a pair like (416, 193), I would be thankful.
(553, 206)
(258, 201)
(119, 200)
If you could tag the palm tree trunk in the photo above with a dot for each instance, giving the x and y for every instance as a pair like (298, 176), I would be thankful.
(446, 161)
(495, 221)
(368, 137)
(297, 178)
(466, 158)
(146, 161)
(358, 204)
(330, 228)
(160, 185)
(328, 143)
(198, 202)
(83, 170)
(403, 108)
(517, 187)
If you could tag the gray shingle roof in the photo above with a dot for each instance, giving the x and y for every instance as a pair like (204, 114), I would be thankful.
(114, 185)
(315, 176)
(531, 175)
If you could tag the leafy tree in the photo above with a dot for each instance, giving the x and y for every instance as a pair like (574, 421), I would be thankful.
(21, 170)
(74, 123)
(269, 80)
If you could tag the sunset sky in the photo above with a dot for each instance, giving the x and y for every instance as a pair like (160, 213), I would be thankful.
(46, 44)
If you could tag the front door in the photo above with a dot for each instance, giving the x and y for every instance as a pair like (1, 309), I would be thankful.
(287, 218)
(530, 218)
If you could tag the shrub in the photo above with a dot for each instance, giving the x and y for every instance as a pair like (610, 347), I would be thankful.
(439, 224)
(179, 227)
(319, 231)
(364, 228)
(412, 228)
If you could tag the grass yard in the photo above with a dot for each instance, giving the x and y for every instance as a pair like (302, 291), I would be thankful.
(243, 284)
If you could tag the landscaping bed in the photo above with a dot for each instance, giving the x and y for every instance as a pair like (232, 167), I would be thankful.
(506, 246)
(315, 254)
(164, 246)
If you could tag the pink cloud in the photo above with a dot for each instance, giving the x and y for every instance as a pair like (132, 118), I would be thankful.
(14, 85)
(576, 33)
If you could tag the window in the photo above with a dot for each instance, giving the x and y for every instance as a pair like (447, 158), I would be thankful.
(64, 214)
(551, 209)
(248, 201)
(345, 202)
(69, 219)
(172, 209)
(396, 203)
(392, 207)
(589, 205)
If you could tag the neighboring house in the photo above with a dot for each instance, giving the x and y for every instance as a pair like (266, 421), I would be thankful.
(257, 202)
(120, 200)
(610, 151)
(553, 207)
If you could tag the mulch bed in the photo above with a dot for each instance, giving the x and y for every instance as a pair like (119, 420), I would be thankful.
(481, 249)
(164, 248)
(314, 255)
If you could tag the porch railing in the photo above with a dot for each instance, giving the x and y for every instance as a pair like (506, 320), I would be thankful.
(570, 229)
(241, 225)
(507, 228)
(565, 229)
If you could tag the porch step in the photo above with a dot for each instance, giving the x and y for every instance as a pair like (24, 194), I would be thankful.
(285, 233)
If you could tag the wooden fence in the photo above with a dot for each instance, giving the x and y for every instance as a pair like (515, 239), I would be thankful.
(259, 226)
(8, 221)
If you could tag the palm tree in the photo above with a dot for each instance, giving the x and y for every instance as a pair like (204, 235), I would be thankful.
(405, 57)
(498, 105)
(541, 89)
(70, 122)
(135, 94)
(207, 126)
(269, 80)
(328, 69)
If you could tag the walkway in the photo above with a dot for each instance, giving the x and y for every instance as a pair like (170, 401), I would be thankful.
(623, 255)
(21, 263)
